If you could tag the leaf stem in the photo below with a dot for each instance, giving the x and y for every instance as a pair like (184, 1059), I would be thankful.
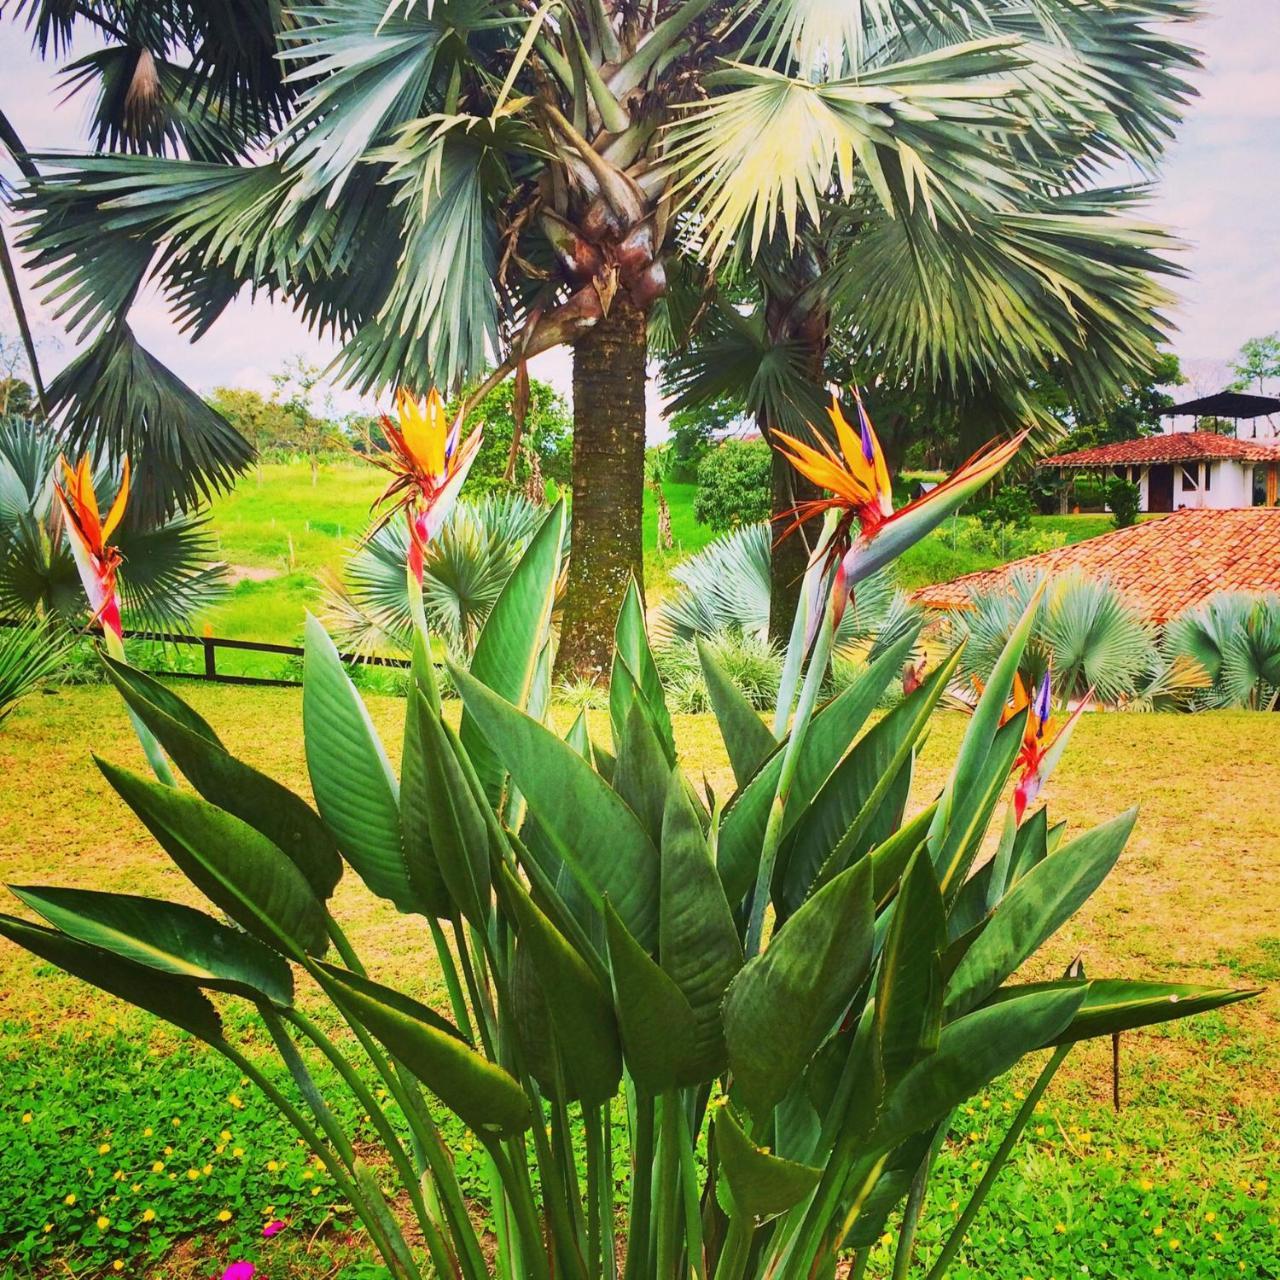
(998, 1161)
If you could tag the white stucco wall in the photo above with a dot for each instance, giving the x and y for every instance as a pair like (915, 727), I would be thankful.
(1231, 485)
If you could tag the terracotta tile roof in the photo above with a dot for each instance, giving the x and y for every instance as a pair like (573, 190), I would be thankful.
(1181, 446)
(1161, 566)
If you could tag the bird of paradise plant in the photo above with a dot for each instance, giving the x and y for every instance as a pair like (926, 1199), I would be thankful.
(861, 534)
(89, 534)
(592, 918)
(428, 467)
(98, 562)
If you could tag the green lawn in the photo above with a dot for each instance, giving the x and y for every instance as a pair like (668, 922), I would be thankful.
(283, 536)
(1181, 1183)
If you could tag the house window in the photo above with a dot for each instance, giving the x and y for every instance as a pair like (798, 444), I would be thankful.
(1190, 477)
(1208, 476)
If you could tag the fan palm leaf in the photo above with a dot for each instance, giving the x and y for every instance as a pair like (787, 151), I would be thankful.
(725, 588)
(1084, 634)
(168, 573)
(467, 565)
(1235, 638)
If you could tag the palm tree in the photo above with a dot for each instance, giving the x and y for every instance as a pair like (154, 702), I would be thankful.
(1235, 638)
(977, 299)
(453, 183)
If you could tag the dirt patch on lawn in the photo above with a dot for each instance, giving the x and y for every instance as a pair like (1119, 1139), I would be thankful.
(238, 573)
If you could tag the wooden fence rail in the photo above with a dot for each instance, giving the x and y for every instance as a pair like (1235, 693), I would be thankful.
(211, 644)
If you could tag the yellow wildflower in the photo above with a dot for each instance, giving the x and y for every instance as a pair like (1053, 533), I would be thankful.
(149, 1215)
(193, 1174)
(69, 1198)
(237, 1152)
(157, 1166)
(118, 1265)
(103, 1148)
(225, 1135)
(103, 1222)
(147, 1132)
(272, 1166)
(48, 1226)
(26, 1117)
(224, 1215)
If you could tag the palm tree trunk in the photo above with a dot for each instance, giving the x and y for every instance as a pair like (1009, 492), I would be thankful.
(791, 555)
(608, 486)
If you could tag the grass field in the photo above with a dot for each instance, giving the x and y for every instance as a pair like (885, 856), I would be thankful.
(283, 536)
(1181, 1183)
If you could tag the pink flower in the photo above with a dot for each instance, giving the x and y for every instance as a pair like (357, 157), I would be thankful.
(239, 1271)
(272, 1229)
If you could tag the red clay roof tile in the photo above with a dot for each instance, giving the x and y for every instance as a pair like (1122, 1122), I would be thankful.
(1161, 566)
(1182, 446)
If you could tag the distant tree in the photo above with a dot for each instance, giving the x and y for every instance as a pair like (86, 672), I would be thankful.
(1257, 363)
(735, 485)
(692, 431)
(16, 398)
(295, 391)
(265, 423)
(16, 394)
(1130, 414)
(548, 431)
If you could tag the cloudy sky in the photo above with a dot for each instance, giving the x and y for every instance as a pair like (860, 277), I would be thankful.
(1219, 190)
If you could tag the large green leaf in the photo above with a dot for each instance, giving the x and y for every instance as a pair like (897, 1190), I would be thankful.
(830, 734)
(354, 787)
(861, 804)
(267, 806)
(236, 867)
(654, 1018)
(759, 1185)
(1034, 910)
(1113, 1004)
(598, 837)
(421, 864)
(579, 1007)
(514, 635)
(459, 833)
(909, 991)
(971, 1052)
(746, 736)
(166, 936)
(642, 773)
(159, 993)
(481, 1093)
(697, 940)
(963, 788)
(138, 686)
(635, 676)
(786, 1001)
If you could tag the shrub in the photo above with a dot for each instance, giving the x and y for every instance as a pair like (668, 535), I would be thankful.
(608, 957)
(1082, 630)
(1124, 498)
(1234, 638)
(735, 485)
(1010, 507)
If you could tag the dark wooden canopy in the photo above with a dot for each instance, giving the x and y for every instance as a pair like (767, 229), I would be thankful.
(1226, 404)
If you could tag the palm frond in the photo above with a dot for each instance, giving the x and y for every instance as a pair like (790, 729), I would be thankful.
(467, 565)
(1084, 633)
(1235, 638)
(118, 398)
(1011, 293)
(168, 573)
(29, 655)
(145, 103)
(768, 148)
(725, 588)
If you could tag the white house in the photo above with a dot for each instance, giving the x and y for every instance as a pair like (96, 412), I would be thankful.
(1187, 470)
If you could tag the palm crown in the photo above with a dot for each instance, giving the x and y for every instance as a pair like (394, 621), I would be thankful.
(446, 186)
